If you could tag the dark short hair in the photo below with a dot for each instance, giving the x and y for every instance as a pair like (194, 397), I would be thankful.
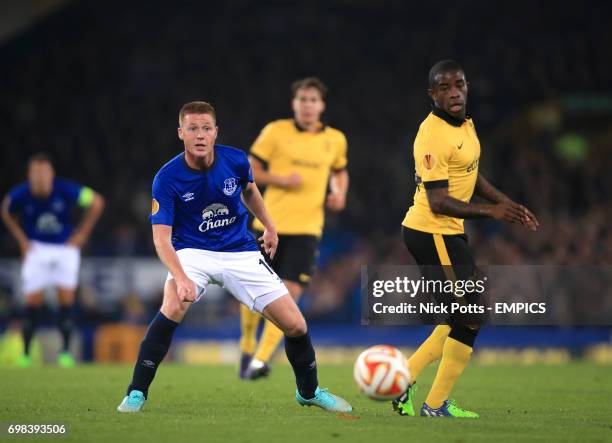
(442, 67)
(39, 157)
(197, 107)
(308, 82)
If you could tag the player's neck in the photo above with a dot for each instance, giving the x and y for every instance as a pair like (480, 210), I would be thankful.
(200, 163)
(41, 192)
(455, 120)
(314, 126)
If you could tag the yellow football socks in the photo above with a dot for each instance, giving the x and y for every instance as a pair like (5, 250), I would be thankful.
(248, 322)
(428, 352)
(268, 342)
(455, 357)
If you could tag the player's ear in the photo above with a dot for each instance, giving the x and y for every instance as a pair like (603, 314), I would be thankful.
(180, 132)
(294, 104)
(431, 93)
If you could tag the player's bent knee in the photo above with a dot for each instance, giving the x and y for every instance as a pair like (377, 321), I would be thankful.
(463, 334)
(173, 310)
(296, 328)
(173, 313)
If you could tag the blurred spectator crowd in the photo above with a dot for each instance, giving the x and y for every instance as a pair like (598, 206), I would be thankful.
(98, 85)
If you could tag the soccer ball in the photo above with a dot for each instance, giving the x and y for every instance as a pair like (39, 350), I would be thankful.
(381, 372)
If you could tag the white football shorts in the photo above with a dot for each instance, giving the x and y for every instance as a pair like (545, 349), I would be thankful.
(50, 265)
(246, 275)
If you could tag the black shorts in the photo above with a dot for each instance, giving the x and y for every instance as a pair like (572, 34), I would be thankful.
(446, 257)
(295, 258)
(439, 249)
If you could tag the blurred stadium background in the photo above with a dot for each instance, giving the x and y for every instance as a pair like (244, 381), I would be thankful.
(98, 86)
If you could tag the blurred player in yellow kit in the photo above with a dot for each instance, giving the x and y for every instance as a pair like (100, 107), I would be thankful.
(298, 160)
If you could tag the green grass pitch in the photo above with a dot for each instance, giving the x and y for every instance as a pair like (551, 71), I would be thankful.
(209, 404)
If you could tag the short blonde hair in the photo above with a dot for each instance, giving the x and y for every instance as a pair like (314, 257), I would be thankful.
(198, 107)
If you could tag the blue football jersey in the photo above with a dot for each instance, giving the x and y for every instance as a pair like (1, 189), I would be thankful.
(204, 208)
(46, 219)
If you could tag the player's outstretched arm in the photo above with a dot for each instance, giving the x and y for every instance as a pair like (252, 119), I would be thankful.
(265, 178)
(489, 192)
(339, 183)
(162, 239)
(13, 226)
(254, 201)
(90, 218)
(441, 203)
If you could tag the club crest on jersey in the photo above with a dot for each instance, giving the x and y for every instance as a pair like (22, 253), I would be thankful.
(229, 186)
(214, 217)
(429, 161)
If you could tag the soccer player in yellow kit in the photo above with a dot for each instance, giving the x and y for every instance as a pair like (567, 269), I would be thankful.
(298, 160)
(446, 156)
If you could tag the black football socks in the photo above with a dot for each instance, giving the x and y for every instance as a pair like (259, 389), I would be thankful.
(153, 349)
(30, 322)
(301, 355)
(65, 323)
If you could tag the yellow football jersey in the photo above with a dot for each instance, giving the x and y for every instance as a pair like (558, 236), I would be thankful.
(446, 154)
(287, 149)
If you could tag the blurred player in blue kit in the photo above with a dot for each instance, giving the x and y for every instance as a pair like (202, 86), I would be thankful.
(38, 214)
(199, 217)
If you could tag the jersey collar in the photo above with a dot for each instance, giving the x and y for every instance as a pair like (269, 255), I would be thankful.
(300, 129)
(200, 171)
(447, 117)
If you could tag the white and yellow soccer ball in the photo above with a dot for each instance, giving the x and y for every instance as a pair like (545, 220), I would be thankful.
(381, 372)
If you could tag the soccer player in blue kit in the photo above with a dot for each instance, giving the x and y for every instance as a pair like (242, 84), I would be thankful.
(50, 246)
(199, 217)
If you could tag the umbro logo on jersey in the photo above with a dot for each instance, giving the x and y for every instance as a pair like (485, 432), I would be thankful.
(188, 196)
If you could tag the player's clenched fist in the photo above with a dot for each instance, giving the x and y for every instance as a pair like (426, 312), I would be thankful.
(186, 290)
(269, 241)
